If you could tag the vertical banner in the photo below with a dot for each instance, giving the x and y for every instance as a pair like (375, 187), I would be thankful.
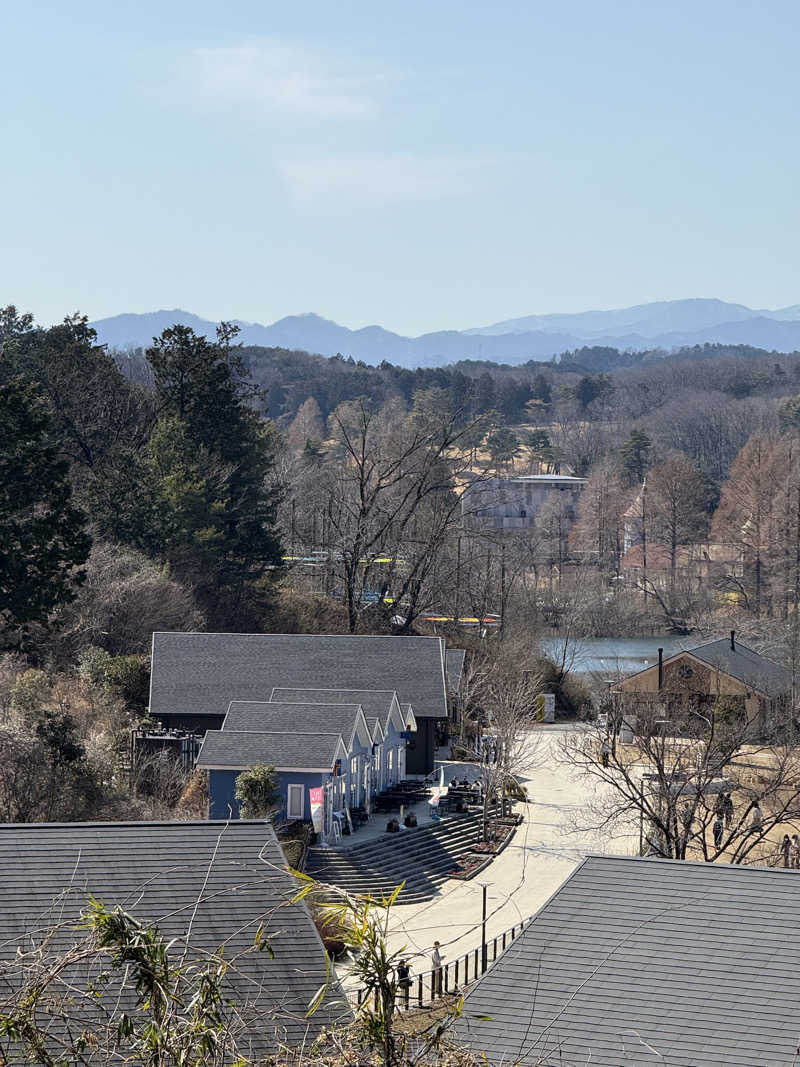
(315, 796)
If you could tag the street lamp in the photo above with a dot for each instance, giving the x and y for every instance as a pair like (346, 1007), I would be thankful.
(484, 886)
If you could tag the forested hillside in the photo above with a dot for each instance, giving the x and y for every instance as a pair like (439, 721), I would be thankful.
(198, 484)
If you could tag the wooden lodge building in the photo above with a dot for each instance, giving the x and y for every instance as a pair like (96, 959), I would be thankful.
(694, 679)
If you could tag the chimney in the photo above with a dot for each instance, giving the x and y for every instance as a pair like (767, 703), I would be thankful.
(660, 667)
(733, 641)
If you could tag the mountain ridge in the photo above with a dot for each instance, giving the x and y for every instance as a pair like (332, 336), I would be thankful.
(667, 324)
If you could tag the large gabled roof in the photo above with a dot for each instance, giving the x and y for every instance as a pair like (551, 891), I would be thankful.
(237, 749)
(206, 884)
(200, 674)
(644, 961)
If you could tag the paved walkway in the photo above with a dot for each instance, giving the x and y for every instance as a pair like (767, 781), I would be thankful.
(541, 855)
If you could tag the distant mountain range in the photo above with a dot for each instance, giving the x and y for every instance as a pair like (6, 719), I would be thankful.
(667, 324)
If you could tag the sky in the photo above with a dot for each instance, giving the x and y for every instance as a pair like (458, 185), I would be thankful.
(424, 166)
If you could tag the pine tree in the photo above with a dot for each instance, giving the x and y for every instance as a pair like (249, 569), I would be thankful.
(634, 457)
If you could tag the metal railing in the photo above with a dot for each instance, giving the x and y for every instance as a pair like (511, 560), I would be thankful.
(427, 988)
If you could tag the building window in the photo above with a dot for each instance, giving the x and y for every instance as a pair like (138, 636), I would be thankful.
(294, 802)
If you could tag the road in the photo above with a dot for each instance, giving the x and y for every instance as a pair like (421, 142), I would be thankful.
(541, 855)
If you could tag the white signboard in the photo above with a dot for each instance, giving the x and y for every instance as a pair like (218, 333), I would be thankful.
(546, 707)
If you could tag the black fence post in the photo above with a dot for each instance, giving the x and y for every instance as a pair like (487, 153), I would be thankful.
(456, 974)
(447, 978)
(419, 991)
(476, 963)
(494, 957)
(466, 968)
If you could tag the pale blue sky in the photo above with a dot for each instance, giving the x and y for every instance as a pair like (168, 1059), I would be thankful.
(422, 165)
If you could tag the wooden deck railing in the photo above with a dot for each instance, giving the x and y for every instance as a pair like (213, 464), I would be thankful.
(428, 987)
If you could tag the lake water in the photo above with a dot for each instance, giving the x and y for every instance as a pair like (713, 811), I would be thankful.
(608, 657)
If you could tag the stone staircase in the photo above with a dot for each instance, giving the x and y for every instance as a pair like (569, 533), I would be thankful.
(421, 857)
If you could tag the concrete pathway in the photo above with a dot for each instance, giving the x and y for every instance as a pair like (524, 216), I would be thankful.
(541, 855)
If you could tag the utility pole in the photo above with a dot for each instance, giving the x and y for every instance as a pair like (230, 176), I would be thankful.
(458, 581)
(484, 887)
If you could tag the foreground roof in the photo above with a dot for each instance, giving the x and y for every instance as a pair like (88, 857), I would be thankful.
(200, 674)
(644, 961)
(237, 749)
(206, 884)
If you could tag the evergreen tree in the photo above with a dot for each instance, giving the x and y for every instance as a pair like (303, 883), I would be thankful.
(43, 538)
(634, 456)
(203, 495)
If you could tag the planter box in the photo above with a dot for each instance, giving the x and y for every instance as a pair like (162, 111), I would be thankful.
(496, 847)
(470, 872)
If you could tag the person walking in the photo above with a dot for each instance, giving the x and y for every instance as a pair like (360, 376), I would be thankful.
(605, 751)
(728, 810)
(718, 831)
(786, 848)
(436, 977)
(404, 981)
(756, 818)
(795, 850)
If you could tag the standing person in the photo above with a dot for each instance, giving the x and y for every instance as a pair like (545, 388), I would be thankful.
(404, 980)
(756, 818)
(605, 751)
(718, 830)
(728, 810)
(786, 848)
(436, 977)
(795, 850)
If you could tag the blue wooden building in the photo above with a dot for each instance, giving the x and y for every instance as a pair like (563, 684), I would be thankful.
(320, 739)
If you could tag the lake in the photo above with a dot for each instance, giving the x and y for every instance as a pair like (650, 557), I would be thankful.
(609, 657)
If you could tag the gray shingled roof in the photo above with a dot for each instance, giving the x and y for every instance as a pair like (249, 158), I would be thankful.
(216, 882)
(406, 711)
(286, 751)
(200, 674)
(698, 961)
(374, 702)
(454, 667)
(748, 666)
(276, 717)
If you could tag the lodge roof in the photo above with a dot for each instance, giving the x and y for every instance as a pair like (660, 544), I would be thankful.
(648, 961)
(744, 664)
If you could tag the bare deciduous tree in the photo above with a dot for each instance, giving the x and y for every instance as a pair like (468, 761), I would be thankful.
(673, 776)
